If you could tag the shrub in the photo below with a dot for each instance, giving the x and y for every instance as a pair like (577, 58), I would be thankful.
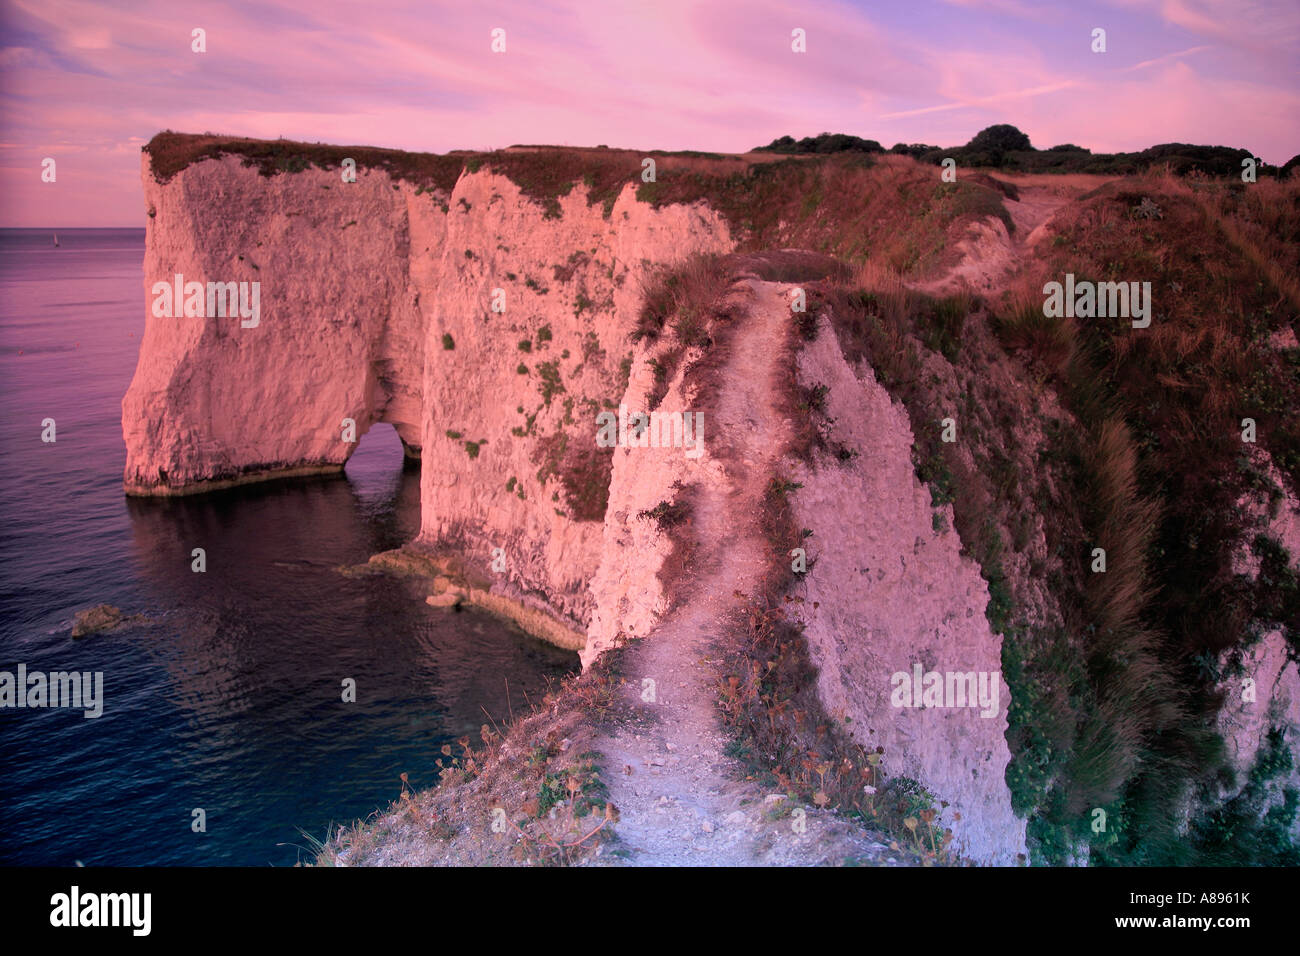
(667, 514)
(549, 384)
(822, 144)
(999, 139)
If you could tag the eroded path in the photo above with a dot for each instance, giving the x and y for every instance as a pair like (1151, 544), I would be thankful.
(989, 255)
(682, 800)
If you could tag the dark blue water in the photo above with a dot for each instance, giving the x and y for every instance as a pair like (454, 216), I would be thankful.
(229, 696)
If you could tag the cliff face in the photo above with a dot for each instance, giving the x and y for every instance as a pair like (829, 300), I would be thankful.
(533, 379)
(888, 594)
(487, 329)
(214, 402)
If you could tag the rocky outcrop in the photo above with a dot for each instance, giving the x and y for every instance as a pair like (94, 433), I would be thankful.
(486, 329)
(216, 403)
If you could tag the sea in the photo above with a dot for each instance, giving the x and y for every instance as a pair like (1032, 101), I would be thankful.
(225, 737)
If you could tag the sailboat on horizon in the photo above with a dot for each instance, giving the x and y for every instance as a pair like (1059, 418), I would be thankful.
(56, 240)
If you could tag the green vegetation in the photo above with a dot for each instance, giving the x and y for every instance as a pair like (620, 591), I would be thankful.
(825, 143)
(521, 431)
(1108, 711)
(1008, 148)
(1256, 824)
(549, 384)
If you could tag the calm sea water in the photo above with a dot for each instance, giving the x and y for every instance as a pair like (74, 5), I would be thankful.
(228, 696)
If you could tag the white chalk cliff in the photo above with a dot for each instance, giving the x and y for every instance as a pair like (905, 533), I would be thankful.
(377, 305)
(360, 284)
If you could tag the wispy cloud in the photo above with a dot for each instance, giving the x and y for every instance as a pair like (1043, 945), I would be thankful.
(1270, 27)
(1165, 59)
(90, 81)
(984, 101)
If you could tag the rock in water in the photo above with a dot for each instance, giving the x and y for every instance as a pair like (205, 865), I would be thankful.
(102, 617)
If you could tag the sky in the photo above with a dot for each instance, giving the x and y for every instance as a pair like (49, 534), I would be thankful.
(88, 82)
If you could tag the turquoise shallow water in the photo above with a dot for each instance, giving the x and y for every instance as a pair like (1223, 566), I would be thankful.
(228, 697)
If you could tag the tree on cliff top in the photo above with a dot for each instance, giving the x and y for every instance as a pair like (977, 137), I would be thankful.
(1003, 138)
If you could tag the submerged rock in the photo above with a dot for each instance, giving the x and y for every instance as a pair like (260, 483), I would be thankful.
(101, 617)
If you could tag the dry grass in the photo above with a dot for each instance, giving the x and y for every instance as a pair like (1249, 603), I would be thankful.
(845, 206)
(1060, 184)
(532, 794)
(1253, 219)
(680, 571)
(842, 205)
(1158, 460)
(171, 152)
(1021, 324)
(681, 296)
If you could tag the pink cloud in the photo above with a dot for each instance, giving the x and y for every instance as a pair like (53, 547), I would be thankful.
(677, 74)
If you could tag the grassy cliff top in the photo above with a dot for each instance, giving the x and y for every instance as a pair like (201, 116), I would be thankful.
(841, 204)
